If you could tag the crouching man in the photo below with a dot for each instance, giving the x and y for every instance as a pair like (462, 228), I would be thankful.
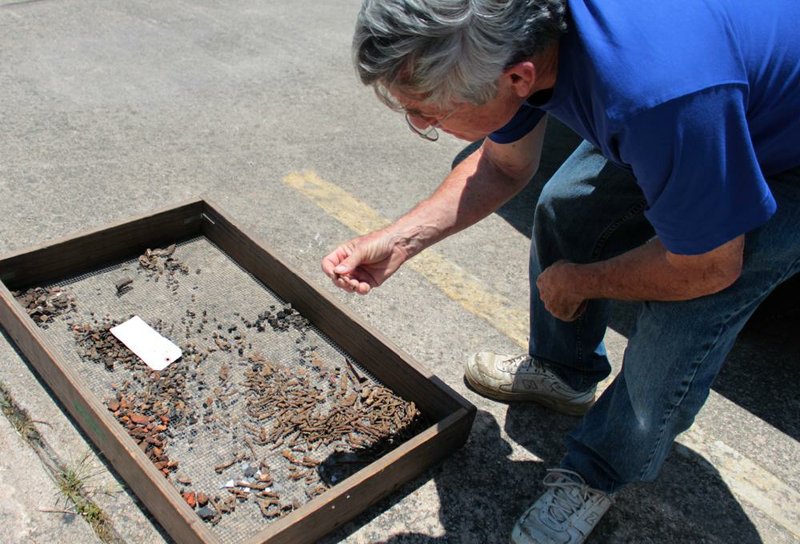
(684, 195)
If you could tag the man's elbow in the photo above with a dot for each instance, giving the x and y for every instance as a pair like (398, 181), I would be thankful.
(711, 272)
(723, 272)
(726, 275)
(704, 282)
(521, 174)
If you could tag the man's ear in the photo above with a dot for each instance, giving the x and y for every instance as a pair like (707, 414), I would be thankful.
(521, 78)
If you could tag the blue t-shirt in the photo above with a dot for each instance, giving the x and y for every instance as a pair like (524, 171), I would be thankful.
(700, 99)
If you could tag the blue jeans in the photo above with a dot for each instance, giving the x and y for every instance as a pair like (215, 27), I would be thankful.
(592, 210)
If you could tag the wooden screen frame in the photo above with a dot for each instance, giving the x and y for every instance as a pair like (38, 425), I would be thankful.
(451, 414)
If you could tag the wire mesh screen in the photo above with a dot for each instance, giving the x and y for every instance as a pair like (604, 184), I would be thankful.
(262, 412)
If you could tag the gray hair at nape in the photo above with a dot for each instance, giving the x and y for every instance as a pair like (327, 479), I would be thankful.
(449, 51)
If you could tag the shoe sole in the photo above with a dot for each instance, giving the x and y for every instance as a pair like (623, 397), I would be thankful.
(549, 402)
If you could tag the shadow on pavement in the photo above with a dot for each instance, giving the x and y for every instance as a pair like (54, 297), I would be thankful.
(689, 502)
(477, 504)
(761, 370)
(482, 491)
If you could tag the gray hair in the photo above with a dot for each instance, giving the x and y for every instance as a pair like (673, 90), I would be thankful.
(448, 51)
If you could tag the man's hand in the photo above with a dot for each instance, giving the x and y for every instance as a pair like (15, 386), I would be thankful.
(558, 291)
(476, 187)
(365, 262)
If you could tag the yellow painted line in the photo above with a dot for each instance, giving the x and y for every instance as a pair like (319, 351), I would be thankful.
(454, 281)
(337, 202)
(750, 482)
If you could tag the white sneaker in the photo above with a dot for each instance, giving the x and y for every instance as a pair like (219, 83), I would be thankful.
(565, 514)
(506, 378)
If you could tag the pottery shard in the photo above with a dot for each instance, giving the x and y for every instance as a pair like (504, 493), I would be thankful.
(113, 406)
(202, 499)
(140, 419)
(191, 498)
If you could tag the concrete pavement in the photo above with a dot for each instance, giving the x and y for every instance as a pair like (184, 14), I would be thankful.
(115, 108)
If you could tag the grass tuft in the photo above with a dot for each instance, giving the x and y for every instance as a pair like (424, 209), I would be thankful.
(18, 417)
(70, 480)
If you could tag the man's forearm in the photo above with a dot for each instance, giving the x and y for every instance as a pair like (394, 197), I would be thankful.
(650, 272)
(474, 189)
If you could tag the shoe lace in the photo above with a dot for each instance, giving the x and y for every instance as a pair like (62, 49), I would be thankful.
(518, 361)
(569, 493)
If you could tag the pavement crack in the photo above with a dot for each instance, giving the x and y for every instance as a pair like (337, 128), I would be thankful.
(69, 479)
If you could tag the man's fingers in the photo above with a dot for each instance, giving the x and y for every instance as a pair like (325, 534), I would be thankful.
(327, 267)
(579, 311)
(363, 288)
(351, 284)
(563, 315)
(332, 260)
(357, 286)
(350, 267)
(348, 262)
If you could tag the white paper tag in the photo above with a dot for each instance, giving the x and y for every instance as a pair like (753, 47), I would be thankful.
(152, 348)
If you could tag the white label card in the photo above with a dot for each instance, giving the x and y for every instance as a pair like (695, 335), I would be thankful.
(152, 348)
